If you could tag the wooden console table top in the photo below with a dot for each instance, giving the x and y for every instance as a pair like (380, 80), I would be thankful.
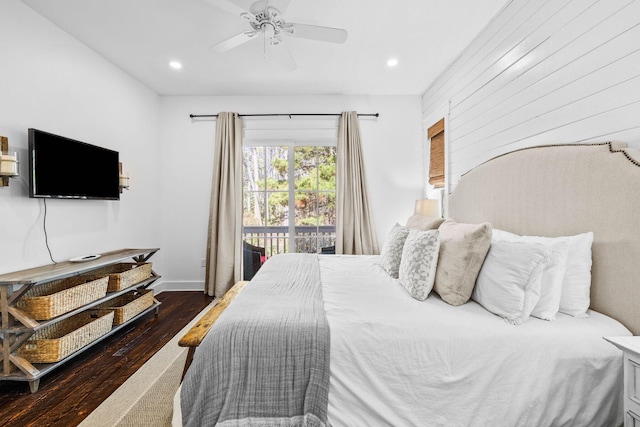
(68, 269)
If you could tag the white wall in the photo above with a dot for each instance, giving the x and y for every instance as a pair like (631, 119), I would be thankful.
(50, 81)
(392, 146)
(541, 73)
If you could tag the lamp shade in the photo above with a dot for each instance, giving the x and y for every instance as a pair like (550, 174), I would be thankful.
(428, 207)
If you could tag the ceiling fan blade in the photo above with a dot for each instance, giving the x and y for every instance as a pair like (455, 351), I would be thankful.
(232, 8)
(314, 32)
(234, 41)
(280, 54)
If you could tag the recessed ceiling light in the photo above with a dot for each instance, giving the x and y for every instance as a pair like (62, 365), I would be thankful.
(392, 62)
(175, 64)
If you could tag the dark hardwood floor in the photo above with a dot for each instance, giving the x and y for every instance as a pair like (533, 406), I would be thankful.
(71, 392)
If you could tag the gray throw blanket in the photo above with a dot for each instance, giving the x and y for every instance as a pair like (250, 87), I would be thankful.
(265, 362)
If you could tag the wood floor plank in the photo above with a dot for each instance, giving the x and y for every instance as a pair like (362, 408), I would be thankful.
(71, 392)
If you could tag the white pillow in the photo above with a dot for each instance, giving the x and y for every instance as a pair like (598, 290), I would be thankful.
(576, 287)
(509, 282)
(391, 252)
(576, 282)
(419, 261)
(553, 274)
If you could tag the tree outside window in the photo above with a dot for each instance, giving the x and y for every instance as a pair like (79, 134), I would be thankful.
(289, 197)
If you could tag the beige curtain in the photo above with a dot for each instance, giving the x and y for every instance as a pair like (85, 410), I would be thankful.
(224, 243)
(355, 233)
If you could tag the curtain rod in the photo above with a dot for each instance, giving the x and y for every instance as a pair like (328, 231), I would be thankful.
(290, 115)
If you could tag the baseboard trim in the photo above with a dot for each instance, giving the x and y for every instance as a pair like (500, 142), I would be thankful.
(166, 286)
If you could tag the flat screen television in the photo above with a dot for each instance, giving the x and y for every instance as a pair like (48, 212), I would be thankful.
(63, 168)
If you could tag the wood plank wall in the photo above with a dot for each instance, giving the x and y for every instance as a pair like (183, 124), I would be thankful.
(541, 72)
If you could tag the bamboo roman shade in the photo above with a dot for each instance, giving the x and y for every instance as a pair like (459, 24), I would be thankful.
(436, 154)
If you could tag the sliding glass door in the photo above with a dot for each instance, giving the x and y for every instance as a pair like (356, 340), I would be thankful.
(289, 197)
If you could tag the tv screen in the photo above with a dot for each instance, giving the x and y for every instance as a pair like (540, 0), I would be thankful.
(63, 168)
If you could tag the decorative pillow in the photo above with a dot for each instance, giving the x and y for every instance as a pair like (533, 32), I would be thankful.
(576, 280)
(391, 252)
(463, 248)
(424, 223)
(419, 261)
(553, 274)
(509, 283)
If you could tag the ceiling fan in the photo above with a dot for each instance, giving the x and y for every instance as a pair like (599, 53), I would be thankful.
(267, 21)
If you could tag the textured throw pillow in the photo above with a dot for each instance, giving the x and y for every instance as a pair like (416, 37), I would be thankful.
(553, 274)
(463, 248)
(424, 223)
(419, 261)
(576, 278)
(391, 252)
(509, 283)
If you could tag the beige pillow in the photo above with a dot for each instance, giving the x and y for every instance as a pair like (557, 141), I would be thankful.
(424, 223)
(463, 248)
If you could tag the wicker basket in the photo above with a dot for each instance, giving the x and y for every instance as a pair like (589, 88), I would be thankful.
(126, 306)
(124, 275)
(49, 300)
(56, 341)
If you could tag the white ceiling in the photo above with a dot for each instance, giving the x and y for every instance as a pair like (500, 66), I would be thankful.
(142, 36)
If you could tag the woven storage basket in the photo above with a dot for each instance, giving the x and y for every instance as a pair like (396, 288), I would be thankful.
(124, 275)
(126, 306)
(52, 299)
(55, 342)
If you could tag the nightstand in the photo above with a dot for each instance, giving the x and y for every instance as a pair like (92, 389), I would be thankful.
(630, 345)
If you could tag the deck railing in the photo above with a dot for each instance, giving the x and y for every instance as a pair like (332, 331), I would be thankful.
(275, 240)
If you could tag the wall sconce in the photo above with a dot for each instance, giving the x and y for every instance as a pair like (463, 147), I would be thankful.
(8, 162)
(428, 207)
(124, 179)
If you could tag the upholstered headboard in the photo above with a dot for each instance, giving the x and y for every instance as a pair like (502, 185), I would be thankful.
(562, 190)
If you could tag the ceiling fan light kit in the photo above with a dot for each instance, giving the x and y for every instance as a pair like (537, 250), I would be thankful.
(269, 22)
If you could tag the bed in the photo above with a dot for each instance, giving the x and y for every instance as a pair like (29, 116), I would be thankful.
(337, 340)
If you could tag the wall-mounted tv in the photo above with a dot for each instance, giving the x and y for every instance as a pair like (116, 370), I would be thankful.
(63, 168)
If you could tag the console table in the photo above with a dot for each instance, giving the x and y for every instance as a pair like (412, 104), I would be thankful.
(16, 326)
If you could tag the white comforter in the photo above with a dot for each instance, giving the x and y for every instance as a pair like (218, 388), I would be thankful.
(397, 362)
